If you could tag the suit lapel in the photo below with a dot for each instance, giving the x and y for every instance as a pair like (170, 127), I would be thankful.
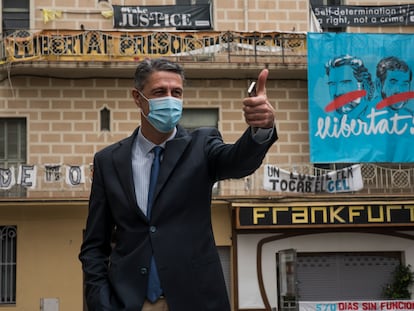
(172, 155)
(122, 158)
(173, 151)
(122, 161)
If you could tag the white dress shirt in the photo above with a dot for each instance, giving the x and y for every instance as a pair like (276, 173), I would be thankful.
(142, 158)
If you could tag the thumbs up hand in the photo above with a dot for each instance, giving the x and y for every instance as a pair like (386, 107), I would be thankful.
(258, 112)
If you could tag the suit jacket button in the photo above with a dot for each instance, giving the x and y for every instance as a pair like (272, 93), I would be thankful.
(143, 271)
(153, 229)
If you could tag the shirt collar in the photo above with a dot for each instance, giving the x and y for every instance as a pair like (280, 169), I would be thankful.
(146, 146)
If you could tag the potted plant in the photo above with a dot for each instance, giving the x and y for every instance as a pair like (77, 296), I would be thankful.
(401, 282)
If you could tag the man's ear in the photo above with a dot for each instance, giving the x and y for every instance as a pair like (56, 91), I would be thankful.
(136, 96)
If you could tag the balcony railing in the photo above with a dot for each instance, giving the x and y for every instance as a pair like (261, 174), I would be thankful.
(94, 45)
(378, 179)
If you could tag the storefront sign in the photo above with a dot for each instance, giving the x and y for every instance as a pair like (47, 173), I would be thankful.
(267, 216)
(163, 16)
(344, 180)
(348, 15)
(377, 305)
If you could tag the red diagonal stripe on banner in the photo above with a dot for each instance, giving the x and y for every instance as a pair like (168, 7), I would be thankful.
(344, 99)
(400, 97)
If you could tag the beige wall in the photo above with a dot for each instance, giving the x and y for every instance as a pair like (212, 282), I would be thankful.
(236, 15)
(49, 236)
(48, 241)
(63, 122)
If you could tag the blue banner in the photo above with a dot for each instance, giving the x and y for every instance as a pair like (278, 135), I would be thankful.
(361, 98)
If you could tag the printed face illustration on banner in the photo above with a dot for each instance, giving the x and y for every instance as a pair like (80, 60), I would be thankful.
(349, 86)
(394, 77)
(361, 101)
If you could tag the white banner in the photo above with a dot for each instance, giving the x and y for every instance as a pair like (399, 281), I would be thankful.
(374, 305)
(345, 180)
(75, 175)
(27, 175)
(7, 178)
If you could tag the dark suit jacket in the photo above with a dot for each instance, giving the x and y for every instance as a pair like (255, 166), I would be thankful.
(179, 233)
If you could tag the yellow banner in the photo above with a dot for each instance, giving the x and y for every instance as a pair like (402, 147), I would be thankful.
(51, 45)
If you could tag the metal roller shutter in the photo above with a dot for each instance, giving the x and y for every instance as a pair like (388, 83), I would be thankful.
(339, 276)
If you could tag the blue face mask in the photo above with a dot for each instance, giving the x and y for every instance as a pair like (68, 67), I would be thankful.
(164, 112)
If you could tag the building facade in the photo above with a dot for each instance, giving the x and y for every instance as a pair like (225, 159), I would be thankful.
(66, 78)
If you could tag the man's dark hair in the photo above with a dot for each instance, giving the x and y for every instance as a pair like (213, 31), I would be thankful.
(389, 64)
(359, 71)
(149, 66)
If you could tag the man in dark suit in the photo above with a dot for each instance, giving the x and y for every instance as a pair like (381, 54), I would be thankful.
(166, 239)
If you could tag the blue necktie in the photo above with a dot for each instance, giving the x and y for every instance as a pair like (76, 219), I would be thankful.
(154, 286)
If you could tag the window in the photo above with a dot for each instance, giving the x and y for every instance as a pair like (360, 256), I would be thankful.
(8, 264)
(323, 168)
(199, 117)
(16, 15)
(105, 119)
(194, 118)
(12, 150)
(192, 2)
(326, 2)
